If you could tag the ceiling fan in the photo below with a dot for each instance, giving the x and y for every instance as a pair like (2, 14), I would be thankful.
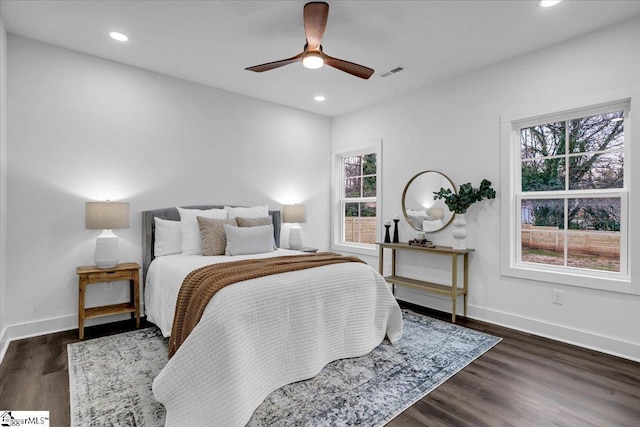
(315, 21)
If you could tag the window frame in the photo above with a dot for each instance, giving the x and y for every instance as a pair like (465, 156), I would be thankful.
(338, 200)
(511, 235)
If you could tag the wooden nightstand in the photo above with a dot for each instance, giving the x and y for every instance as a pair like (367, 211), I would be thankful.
(308, 249)
(92, 274)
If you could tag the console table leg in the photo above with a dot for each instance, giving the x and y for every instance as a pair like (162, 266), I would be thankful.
(465, 279)
(454, 285)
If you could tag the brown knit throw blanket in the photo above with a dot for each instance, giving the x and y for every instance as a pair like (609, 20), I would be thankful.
(201, 285)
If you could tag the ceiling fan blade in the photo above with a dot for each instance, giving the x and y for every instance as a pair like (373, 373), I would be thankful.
(315, 21)
(349, 67)
(275, 64)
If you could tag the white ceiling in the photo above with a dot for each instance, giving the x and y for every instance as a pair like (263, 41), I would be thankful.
(211, 42)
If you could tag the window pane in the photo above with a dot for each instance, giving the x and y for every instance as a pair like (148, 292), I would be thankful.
(578, 258)
(352, 187)
(594, 233)
(360, 223)
(543, 212)
(599, 170)
(539, 255)
(596, 133)
(542, 238)
(369, 186)
(543, 174)
(352, 166)
(351, 209)
(369, 164)
(542, 140)
(368, 209)
(601, 214)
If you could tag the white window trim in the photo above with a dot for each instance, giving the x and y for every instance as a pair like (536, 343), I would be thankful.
(509, 250)
(336, 187)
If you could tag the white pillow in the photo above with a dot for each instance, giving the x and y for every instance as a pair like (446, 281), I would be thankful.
(433, 225)
(168, 237)
(249, 240)
(253, 212)
(191, 243)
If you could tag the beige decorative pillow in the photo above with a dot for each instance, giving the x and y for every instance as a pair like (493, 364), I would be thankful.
(252, 222)
(256, 222)
(214, 240)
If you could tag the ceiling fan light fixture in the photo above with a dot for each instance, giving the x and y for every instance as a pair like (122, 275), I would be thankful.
(313, 60)
(315, 15)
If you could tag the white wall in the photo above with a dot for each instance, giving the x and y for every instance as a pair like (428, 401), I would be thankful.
(454, 127)
(83, 128)
(3, 181)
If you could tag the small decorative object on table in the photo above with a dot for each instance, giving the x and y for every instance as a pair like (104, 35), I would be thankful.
(387, 237)
(422, 243)
(396, 219)
(459, 203)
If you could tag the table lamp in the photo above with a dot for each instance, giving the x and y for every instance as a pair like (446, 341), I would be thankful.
(106, 216)
(294, 215)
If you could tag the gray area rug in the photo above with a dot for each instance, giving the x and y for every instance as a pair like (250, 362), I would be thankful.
(110, 379)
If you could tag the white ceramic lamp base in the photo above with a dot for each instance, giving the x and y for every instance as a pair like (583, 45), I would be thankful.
(107, 250)
(295, 237)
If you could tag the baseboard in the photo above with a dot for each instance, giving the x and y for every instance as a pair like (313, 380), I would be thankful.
(586, 339)
(40, 327)
(552, 331)
(580, 338)
(50, 326)
(4, 344)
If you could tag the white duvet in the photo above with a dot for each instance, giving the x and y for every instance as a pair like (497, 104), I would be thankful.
(258, 335)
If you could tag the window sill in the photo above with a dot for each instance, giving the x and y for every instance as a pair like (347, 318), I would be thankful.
(370, 250)
(621, 284)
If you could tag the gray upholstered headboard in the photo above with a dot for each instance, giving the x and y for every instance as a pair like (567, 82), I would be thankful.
(149, 229)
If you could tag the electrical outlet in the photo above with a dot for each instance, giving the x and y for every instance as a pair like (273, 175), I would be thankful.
(557, 297)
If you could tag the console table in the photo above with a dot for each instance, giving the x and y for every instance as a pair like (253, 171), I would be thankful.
(452, 290)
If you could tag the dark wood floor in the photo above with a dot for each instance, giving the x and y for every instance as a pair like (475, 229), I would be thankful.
(523, 381)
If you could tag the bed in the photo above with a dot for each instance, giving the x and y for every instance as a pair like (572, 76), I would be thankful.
(259, 334)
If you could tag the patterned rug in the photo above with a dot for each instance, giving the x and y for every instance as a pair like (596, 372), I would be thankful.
(110, 379)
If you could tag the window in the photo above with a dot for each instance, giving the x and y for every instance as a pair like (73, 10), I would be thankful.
(569, 197)
(356, 198)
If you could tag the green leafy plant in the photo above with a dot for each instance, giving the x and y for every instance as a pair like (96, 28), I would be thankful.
(467, 195)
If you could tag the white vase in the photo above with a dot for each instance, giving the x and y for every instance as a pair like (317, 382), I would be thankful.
(459, 232)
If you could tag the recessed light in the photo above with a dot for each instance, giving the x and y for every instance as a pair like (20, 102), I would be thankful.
(118, 36)
(319, 98)
(549, 3)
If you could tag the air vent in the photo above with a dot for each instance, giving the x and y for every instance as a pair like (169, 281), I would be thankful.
(393, 71)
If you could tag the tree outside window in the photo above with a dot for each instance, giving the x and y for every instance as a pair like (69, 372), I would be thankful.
(572, 186)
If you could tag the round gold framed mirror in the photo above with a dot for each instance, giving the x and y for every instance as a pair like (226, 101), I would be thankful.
(420, 209)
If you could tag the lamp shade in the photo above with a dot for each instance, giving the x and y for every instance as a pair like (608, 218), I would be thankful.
(294, 214)
(437, 213)
(106, 215)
